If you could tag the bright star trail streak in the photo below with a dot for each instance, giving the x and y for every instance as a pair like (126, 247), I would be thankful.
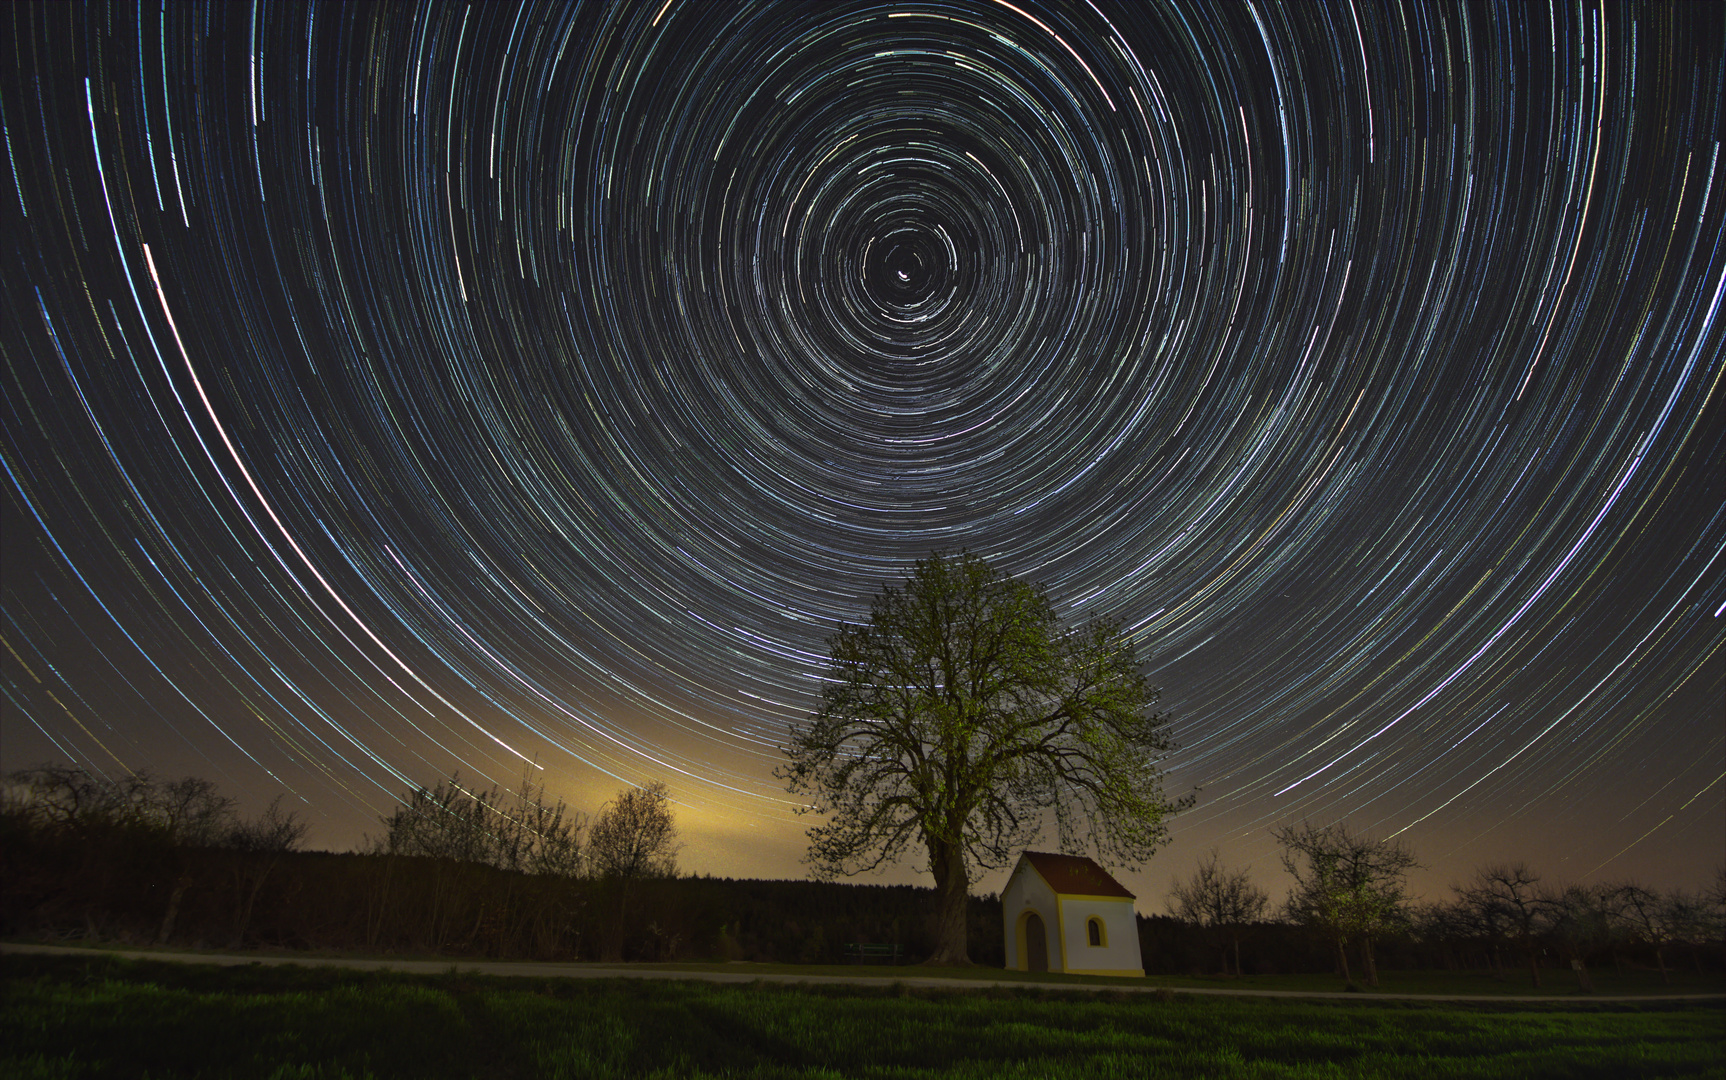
(391, 390)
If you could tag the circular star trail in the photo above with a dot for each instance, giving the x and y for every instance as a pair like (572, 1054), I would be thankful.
(397, 389)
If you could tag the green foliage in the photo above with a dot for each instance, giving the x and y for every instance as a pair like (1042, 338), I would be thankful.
(1344, 882)
(99, 1017)
(961, 716)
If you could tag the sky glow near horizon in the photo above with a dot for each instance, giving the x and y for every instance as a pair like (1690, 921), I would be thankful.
(395, 390)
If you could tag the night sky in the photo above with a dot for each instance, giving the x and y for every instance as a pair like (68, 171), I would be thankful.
(392, 390)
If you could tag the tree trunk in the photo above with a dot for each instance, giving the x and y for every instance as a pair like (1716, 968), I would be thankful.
(611, 949)
(952, 886)
(435, 923)
(1368, 962)
(180, 886)
(249, 891)
(1342, 958)
(380, 894)
(1533, 964)
(248, 898)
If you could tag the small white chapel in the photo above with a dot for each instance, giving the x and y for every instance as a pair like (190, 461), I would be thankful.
(1065, 913)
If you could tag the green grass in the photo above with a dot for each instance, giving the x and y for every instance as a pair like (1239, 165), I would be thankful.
(93, 1016)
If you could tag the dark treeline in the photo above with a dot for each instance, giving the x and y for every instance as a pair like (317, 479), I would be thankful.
(1348, 910)
(464, 872)
(402, 904)
(456, 871)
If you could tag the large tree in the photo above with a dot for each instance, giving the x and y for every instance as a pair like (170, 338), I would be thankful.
(1579, 919)
(963, 718)
(1508, 894)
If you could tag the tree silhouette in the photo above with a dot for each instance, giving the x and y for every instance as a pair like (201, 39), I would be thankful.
(633, 838)
(1506, 893)
(1219, 900)
(522, 830)
(1347, 886)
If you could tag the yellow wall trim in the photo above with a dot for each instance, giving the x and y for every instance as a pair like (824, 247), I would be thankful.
(1024, 961)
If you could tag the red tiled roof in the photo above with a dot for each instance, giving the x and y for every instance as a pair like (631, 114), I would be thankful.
(1075, 875)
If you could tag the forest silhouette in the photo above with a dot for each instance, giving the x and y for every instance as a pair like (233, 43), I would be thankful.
(466, 872)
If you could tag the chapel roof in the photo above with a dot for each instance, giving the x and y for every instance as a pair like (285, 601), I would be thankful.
(1074, 875)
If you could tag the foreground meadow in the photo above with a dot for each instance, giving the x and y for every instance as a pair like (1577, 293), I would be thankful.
(98, 1016)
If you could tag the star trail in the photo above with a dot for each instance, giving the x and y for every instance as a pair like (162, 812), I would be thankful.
(397, 389)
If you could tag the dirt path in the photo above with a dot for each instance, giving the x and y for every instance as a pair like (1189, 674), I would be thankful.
(532, 969)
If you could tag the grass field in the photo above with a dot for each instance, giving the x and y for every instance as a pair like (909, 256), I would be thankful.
(1514, 982)
(97, 1016)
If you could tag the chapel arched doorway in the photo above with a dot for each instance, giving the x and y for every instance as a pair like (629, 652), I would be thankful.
(1036, 943)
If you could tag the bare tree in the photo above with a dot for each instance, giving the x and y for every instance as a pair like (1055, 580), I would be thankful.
(1346, 886)
(189, 811)
(1508, 891)
(551, 835)
(524, 830)
(446, 821)
(1658, 918)
(275, 831)
(134, 809)
(1579, 918)
(960, 718)
(65, 799)
(1221, 901)
(259, 845)
(463, 827)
